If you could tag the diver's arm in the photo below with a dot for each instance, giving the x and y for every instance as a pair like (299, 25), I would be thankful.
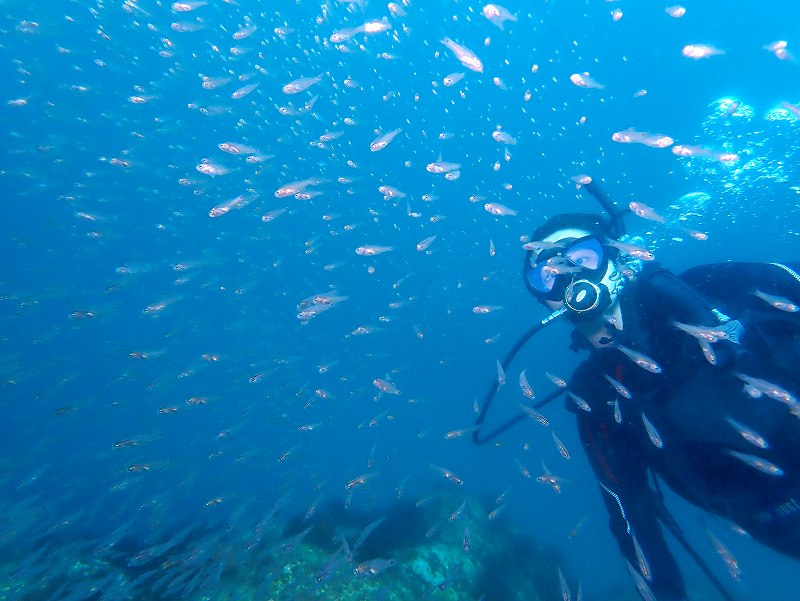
(631, 504)
(678, 300)
(615, 214)
(737, 284)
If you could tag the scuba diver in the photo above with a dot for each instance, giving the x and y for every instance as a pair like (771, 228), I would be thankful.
(691, 380)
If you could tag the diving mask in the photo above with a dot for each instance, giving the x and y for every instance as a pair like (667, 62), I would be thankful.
(552, 272)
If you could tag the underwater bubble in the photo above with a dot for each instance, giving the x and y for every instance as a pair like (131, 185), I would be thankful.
(693, 203)
(779, 113)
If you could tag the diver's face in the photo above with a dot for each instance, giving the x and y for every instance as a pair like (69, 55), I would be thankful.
(577, 255)
(563, 237)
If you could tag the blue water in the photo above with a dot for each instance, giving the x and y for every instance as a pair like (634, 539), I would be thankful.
(122, 298)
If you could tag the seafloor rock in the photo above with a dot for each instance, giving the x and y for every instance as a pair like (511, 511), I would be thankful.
(430, 558)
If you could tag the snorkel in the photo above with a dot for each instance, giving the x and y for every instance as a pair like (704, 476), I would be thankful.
(578, 293)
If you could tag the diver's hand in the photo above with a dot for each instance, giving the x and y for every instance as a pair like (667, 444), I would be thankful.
(728, 349)
(733, 331)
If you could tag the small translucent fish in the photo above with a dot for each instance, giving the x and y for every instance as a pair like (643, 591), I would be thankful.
(360, 481)
(368, 529)
(655, 437)
(583, 405)
(446, 474)
(560, 382)
(501, 374)
(342, 35)
(372, 423)
(376, 26)
(384, 140)
(401, 486)
(697, 235)
(273, 215)
(631, 136)
(492, 250)
(390, 192)
(373, 567)
(244, 32)
(685, 150)
(760, 464)
(411, 213)
(453, 434)
(560, 446)
(501, 497)
(385, 386)
(452, 79)
(778, 302)
(757, 387)
(458, 512)
(244, 91)
(207, 167)
(504, 137)
(498, 15)
(330, 135)
(292, 188)
(708, 352)
(566, 595)
(639, 359)
(642, 210)
(185, 7)
(726, 555)
(187, 27)
(522, 469)
(496, 512)
(370, 250)
(434, 529)
(574, 532)
(425, 244)
(641, 584)
(525, 386)
(748, 434)
(632, 250)
(440, 166)
(621, 390)
(617, 412)
(676, 12)
(485, 309)
(644, 566)
(584, 80)
(300, 85)
(396, 9)
(212, 83)
(533, 413)
(234, 203)
(708, 333)
(236, 148)
(698, 51)
(464, 55)
(497, 209)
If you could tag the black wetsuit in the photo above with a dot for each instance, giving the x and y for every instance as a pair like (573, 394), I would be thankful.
(687, 405)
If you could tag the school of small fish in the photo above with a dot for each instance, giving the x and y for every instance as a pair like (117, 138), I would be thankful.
(278, 213)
